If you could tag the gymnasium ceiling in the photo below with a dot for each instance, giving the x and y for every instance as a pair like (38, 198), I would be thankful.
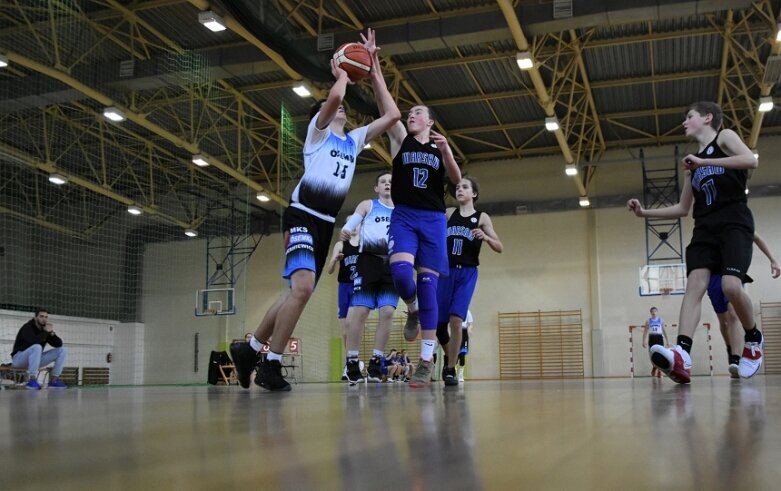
(614, 74)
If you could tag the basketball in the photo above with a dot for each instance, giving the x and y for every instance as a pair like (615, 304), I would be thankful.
(354, 59)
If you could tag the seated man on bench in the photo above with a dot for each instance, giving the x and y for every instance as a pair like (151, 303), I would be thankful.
(28, 351)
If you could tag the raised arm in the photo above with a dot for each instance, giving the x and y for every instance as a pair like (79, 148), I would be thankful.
(775, 269)
(335, 97)
(336, 256)
(486, 233)
(385, 103)
(679, 210)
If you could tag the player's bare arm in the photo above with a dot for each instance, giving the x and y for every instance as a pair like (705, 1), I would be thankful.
(487, 234)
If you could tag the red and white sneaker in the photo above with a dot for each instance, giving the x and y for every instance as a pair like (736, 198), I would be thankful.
(751, 361)
(675, 363)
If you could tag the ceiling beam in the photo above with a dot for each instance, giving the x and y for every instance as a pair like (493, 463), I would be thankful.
(544, 98)
(50, 168)
(141, 120)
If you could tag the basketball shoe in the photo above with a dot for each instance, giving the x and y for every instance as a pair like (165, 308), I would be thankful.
(751, 361)
(269, 376)
(734, 370)
(374, 371)
(354, 375)
(675, 363)
(422, 375)
(411, 326)
(449, 376)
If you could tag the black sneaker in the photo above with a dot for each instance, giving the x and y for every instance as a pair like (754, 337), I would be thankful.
(374, 370)
(245, 358)
(449, 376)
(270, 377)
(354, 375)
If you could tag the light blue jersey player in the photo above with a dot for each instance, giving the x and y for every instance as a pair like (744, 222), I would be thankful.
(330, 156)
(373, 286)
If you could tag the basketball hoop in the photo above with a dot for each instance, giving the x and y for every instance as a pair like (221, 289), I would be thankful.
(665, 292)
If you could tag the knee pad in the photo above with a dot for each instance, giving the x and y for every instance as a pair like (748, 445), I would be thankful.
(427, 300)
(403, 275)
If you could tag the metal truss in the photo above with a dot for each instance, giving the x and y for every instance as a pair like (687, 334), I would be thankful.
(744, 58)
(663, 236)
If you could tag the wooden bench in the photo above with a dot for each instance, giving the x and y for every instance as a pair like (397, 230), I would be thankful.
(19, 377)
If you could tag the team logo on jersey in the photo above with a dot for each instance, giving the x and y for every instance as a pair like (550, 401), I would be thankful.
(473, 220)
(709, 151)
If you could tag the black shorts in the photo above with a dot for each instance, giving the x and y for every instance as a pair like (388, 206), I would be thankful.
(307, 242)
(373, 284)
(723, 242)
(654, 339)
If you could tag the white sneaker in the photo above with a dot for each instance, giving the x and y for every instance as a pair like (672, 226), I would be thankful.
(675, 363)
(751, 361)
(460, 374)
(733, 371)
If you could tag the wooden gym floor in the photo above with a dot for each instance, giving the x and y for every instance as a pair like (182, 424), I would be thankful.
(560, 434)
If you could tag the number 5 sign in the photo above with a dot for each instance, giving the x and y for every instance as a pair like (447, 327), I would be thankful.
(294, 345)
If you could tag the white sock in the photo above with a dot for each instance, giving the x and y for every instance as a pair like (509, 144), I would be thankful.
(413, 305)
(271, 356)
(255, 344)
(427, 349)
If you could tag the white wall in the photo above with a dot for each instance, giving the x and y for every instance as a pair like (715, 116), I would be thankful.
(88, 341)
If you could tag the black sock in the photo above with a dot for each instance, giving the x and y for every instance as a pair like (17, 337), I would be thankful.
(734, 359)
(753, 336)
(729, 351)
(685, 342)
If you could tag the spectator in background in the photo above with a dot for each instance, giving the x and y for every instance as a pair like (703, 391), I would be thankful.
(28, 352)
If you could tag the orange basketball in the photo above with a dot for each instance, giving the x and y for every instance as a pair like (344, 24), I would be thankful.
(354, 59)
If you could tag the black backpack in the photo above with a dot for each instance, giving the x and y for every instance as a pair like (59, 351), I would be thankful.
(216, 359)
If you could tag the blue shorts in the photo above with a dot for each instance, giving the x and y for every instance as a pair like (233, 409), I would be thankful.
(422, 233)
(345, 296)
(455, 291)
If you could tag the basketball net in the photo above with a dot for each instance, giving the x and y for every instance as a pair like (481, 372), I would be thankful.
(665, 288)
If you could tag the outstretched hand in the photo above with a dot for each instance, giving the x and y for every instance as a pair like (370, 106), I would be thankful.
(369, 41)
(775, 269)
(440, 141)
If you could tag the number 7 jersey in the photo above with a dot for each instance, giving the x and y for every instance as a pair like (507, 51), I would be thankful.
(329, 165)
(418, 176)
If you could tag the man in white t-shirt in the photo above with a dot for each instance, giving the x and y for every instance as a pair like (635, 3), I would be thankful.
(330, 156)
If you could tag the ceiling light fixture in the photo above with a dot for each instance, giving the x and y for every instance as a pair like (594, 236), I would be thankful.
(524, 60)
(302, 90)
(765, 104)
(200, 160)
(58, 179)
(114, 114)
(211, 21)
